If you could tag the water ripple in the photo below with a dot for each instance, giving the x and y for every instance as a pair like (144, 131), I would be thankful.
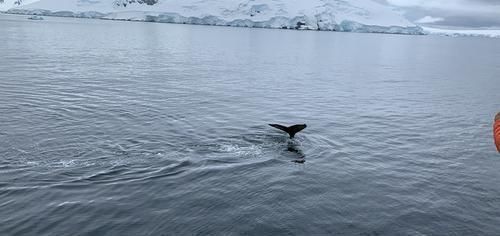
(112, 128)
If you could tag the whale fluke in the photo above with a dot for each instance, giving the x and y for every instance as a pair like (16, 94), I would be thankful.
(292, 130)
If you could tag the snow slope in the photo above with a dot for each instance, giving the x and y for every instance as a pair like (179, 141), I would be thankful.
(338, 15)
(8, 4)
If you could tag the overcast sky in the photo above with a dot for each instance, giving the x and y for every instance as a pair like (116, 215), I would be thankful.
(459, 13)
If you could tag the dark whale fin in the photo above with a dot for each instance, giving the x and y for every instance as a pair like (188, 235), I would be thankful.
(292, 130)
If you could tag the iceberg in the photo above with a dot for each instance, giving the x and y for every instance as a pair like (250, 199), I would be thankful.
(35, 17)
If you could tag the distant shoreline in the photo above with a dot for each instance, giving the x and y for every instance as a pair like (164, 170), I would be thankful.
(425, 29)
(174, 18)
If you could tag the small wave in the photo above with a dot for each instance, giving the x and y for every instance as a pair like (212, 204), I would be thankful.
(70, 163)
(70, 203)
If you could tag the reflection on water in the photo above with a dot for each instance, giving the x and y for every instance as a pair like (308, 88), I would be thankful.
(294, 147)
(127, 128)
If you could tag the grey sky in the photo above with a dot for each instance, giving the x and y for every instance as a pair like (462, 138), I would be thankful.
(459, 13)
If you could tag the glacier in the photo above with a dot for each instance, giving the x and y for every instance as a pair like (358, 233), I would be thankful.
(481, 32)
(365, 16)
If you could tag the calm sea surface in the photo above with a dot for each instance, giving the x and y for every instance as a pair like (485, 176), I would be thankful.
(123, 128)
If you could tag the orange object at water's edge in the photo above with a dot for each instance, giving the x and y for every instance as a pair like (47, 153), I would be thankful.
(496, 131)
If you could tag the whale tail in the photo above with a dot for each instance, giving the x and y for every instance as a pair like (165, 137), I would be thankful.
(292, 130)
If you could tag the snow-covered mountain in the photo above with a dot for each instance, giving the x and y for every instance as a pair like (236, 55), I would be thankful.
(337, 15)
(8, 4)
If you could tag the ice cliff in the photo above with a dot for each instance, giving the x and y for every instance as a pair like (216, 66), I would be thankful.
(330, 15)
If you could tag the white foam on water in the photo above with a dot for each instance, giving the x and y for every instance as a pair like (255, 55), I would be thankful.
(252, 150)
(66, 163)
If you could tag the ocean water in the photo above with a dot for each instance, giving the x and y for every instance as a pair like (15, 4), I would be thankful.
(126, 128)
